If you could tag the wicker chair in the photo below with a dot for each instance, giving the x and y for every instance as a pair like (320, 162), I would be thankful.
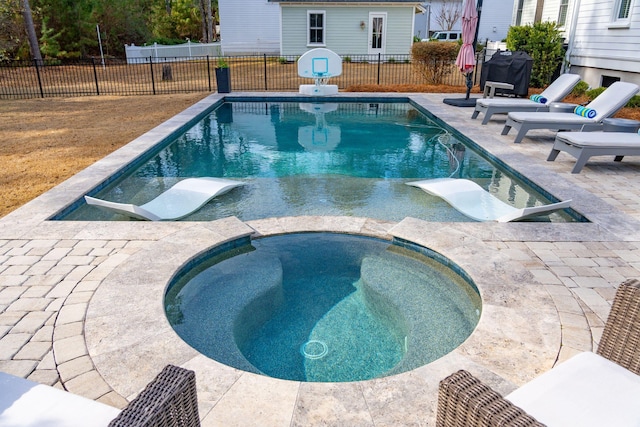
(170, 400)
(464, 401)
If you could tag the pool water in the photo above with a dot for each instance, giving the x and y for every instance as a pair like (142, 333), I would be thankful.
(297, 159)
(322, 307)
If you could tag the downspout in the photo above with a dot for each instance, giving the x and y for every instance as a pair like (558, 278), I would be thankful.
(566, 65)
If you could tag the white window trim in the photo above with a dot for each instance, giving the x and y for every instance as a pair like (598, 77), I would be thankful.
(324, 28)
(620, 22)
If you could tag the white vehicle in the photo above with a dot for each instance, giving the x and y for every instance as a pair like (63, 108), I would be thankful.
(444, 36)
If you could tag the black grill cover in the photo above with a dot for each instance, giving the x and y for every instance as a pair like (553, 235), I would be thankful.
(508, 67)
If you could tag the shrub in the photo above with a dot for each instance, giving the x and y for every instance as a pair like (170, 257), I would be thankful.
(543, 42)
(282, 60)
(593, 93)
(347, 59)
(580, 89)
(432, 60)
(634, 102)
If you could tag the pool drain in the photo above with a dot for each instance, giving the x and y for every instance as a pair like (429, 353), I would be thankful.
(314, 349)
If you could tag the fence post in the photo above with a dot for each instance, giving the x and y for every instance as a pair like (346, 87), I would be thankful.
(35, 61)
(153, 82)
(209, 73)
(95, 76)
(379, 56)
(265, 71)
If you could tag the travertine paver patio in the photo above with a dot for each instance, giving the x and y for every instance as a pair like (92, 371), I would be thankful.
(81, 303)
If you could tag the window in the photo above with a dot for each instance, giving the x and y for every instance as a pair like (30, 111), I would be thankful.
(623, 9)
(519, 12)
(316, 27)
(608, 80)
(620, 15)
(376, 32)
(562, 15)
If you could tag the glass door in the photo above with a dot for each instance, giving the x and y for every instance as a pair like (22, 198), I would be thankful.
(377, 32)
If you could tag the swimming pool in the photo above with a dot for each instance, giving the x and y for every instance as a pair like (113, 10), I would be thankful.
(329, 159)
(323, 307)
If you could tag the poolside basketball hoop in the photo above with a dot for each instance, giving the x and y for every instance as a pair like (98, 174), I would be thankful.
(320, 65)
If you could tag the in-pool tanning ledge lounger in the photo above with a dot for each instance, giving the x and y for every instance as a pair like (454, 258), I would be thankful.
(182, 199)
(473, 201)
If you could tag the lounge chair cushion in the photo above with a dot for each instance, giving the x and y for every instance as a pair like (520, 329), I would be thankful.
(586, 390)
(550, 118)
(27, 403)
(603, 140)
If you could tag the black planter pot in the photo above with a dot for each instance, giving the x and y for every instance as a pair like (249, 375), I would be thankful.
(223, 80)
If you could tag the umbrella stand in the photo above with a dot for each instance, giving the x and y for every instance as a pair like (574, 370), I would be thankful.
(466, 101)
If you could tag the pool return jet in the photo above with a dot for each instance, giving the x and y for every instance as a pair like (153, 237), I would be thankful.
(319, 64)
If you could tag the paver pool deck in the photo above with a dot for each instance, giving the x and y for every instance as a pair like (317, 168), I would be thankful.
(81, 302)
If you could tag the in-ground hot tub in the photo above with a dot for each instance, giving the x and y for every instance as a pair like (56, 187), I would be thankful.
(322, 307)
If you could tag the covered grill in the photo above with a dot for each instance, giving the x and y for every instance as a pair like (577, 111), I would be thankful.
(508, 67)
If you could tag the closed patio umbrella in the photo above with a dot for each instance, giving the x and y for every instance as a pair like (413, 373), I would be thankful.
(466, 59)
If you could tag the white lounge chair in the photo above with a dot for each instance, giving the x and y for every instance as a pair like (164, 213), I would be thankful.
(587, 390)
(184, 198)
(555, 92)
(473, 201)
(169, 400)
(583, 145)
(605, 105)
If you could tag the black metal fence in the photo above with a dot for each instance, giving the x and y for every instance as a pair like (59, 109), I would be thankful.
(31, 79)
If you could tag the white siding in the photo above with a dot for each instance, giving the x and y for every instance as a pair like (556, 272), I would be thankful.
(495, 20)
(528, 12)
(249, 26)
(599, 46)
(550, 10)
(343, 32)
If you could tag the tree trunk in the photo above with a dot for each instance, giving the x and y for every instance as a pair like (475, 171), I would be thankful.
(31, 31)
(209, 22)
(203, 14)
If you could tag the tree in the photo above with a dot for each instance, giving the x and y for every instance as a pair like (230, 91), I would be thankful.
(207, 21)
(11, 28)
(31, 31)
(449, 14)
(543, 42)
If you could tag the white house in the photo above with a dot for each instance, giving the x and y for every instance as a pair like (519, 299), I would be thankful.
(495, 18)
(603, 41)
(602, 36)
(249, 27)
(291, 27)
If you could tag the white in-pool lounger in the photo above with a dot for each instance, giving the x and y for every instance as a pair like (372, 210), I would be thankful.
(555, 92)
(583, 145)
(473, 201)
(184, 198)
